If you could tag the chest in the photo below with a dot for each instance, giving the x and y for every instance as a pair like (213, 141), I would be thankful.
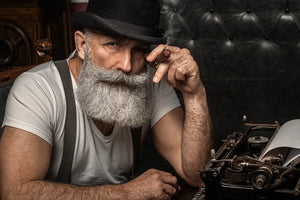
(98, 159)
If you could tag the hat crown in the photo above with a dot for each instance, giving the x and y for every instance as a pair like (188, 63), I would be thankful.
(133, 19)
(138, 12)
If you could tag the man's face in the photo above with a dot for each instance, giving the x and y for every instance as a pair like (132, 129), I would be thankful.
(112, 85)
(118, 53)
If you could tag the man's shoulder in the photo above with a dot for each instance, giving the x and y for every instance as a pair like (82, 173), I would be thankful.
(42, 68)
(46, 71)
(43, 77)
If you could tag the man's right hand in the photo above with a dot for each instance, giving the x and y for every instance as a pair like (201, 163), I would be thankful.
(152, 184)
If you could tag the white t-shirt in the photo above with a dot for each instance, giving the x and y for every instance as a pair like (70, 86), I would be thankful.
(37, 104)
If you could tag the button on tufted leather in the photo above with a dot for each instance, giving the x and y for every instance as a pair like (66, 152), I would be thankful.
(267, 37)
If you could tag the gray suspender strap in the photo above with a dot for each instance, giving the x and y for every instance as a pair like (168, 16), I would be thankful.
(64, 173)
(136, 143)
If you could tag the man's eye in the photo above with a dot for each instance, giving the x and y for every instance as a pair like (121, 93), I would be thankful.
(114, 44)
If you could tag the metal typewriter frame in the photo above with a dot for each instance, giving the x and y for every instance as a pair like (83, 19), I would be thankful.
(230, 174)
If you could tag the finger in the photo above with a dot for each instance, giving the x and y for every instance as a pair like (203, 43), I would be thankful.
(164, 173)
(171, 183)
(167, 177)
(155, 52)
(177, 70)
(180, 74)
(171, 76)
(160, 72)
(181, 71)
(169, 190)
(165, 196)
(177, 59)
(185, 66)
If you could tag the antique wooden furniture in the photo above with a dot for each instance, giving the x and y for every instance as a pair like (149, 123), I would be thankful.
(32, 32)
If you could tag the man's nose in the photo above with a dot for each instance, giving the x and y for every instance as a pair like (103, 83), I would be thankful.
(126, 61)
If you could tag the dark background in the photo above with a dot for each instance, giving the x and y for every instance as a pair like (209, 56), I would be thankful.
(248, 53)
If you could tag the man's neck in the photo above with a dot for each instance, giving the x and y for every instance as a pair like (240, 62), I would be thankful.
(75, 65)
(105, 128)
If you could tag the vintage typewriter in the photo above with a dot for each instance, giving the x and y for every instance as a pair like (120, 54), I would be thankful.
(241, 168)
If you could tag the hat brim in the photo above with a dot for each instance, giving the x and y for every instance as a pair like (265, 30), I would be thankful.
(89, 20)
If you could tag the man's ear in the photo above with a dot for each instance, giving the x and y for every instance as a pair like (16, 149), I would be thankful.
(80, 42)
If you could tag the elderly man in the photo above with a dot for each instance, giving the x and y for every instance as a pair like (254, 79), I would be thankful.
(115, 90)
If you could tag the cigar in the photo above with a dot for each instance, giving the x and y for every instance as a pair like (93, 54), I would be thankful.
(162, 57)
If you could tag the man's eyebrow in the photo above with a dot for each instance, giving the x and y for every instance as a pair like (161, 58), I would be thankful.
(123, 40)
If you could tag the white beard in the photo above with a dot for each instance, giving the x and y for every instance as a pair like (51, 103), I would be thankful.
(113, 96)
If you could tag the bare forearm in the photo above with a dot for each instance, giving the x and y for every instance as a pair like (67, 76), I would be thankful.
(48, 190)
(197, 136)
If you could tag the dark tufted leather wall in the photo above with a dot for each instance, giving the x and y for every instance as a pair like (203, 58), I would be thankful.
(248, 52)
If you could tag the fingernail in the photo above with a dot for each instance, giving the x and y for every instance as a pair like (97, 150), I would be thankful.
(155, 79)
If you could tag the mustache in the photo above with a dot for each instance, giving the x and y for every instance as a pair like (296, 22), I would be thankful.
(114, 76)
(118, 76)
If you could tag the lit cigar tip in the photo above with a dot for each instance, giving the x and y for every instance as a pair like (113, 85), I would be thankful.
(167, 53)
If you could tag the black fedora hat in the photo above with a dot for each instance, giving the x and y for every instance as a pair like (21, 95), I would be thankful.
(134, 19)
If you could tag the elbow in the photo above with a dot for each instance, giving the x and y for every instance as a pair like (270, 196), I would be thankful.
(192, 176)
(194, 180)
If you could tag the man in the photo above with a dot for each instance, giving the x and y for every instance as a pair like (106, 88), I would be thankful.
(115, 90)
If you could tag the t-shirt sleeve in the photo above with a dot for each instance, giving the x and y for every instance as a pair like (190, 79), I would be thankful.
(164, 100)
(28, 106)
